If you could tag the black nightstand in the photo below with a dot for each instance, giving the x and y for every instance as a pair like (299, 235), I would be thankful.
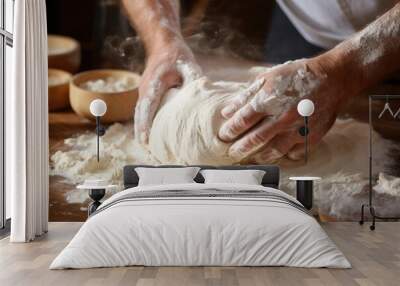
(304, 190)
(96, 193)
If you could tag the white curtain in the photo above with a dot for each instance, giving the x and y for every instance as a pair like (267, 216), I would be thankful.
(27, 124)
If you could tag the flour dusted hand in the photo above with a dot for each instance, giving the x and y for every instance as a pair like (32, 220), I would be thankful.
(242, 98)
(266, 123)
(168, 68)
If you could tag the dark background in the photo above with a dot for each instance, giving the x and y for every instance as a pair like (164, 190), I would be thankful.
(253, 29)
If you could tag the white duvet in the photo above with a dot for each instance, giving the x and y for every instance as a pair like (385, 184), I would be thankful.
(192, 231)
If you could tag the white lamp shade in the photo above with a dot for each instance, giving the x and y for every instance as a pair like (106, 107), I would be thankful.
(305, 107)
(98, 107)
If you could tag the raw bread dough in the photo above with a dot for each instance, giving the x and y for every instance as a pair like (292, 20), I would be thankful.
(185, 128)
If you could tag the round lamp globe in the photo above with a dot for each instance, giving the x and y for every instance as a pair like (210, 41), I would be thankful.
(305, 107)
(98, 107)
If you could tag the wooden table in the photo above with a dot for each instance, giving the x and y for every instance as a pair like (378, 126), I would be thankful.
(66, 124)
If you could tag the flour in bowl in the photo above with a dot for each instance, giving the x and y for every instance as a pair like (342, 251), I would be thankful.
(110, 84)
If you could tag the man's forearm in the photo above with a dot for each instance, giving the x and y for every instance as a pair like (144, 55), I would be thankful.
(370, 55)
(156, 21)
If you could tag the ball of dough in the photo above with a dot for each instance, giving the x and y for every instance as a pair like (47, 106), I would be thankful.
(185, 129)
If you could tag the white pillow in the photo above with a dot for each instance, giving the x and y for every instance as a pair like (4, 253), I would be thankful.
(163, 176)
(248, 177)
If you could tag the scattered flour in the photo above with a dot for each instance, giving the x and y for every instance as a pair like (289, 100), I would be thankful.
(388, 184)
(117, 149)
(342, 161)
(110, 84)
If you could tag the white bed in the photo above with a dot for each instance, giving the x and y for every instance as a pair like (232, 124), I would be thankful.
(247, 225)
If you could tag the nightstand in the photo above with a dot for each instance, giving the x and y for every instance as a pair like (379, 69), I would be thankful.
(304, 190)
(97, 190)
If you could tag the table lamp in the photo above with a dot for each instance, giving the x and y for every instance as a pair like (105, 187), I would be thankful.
(305, 108)
(98, 108)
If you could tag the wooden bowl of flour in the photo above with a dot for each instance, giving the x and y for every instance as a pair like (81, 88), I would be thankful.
(118, 88)
(64, 53)
(58, 83)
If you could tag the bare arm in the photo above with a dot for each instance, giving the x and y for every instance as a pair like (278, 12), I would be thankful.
(266, 123)
(158, 25)
(370, 55)
(157, 21)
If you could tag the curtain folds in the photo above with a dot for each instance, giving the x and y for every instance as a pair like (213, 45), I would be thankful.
(27, 124)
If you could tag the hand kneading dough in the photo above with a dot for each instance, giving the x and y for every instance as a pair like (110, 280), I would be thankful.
(185, 129)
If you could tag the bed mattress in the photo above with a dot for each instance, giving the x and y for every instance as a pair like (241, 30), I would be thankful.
(201, 225)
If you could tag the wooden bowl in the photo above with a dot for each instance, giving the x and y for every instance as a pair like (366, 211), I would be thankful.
(120, 105)
(64, 53)
(58, 82)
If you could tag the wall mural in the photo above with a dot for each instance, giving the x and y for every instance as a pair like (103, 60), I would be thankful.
(95, 54)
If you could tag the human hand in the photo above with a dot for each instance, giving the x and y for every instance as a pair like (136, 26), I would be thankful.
(264, 122)
(167, 66)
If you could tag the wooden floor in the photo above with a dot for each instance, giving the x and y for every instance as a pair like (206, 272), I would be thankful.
(375, 257)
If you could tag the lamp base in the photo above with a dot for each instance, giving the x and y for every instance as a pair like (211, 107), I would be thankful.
(96, 195)
(303, 131)
(100, 131)
(304, 193)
